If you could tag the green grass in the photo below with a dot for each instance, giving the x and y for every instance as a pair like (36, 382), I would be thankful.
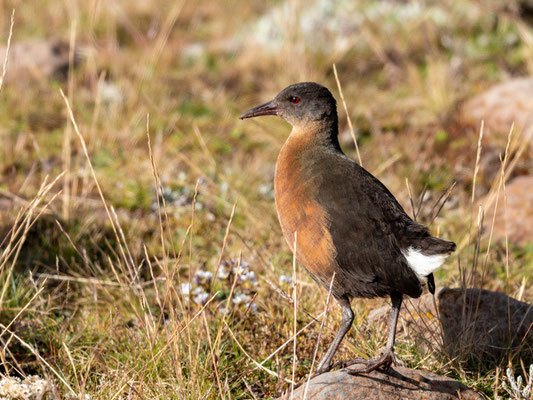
(99, 313)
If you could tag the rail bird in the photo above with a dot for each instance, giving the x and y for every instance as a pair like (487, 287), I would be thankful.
(348, 225)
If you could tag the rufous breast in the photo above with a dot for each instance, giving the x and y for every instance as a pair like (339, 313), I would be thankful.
(294, 188)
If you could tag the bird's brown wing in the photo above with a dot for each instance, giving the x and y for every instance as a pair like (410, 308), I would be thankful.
(369, 229)
(409, 233)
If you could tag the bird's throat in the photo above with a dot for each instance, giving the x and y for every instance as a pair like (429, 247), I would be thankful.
(321, 133)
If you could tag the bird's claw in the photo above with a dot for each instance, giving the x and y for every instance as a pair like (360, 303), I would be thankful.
(396, 362)
(382, 362)
(322, 369)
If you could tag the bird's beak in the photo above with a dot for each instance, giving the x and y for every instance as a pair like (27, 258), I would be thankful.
(269, 108)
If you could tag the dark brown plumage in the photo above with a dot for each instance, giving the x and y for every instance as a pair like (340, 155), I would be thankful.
(347, 221)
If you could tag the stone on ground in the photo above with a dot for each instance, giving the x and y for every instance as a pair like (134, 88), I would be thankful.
(499, 107)
(397, 383)
(479, 324)
(38, 59)
(514, 214)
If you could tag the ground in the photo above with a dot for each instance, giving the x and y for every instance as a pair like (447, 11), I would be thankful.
(112, 231)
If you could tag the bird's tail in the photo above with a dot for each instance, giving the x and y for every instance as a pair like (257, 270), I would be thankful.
(425, 255)
(431, 283)
(433, 245)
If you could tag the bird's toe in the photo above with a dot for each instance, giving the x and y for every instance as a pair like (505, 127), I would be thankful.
(397, 362)
(366, 366)
(323, 368)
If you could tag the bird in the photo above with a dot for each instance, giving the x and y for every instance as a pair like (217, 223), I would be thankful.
(350, 233)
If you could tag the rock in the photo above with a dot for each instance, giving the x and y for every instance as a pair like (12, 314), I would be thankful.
(473, 324)
(35, 60)
(396, 383)
(501, 106)
(516, 216)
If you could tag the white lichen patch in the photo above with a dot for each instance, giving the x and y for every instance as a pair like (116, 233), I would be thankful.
(31, 388)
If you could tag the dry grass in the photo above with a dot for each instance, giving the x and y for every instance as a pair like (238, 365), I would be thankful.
(104, 268)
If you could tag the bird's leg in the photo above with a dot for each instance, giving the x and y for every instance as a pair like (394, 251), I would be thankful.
(387, 358)
(347, 320)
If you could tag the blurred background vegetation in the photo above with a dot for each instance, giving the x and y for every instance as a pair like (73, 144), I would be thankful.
(155, 267)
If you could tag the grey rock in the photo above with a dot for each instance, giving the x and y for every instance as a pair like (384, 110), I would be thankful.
(35, 60)
(395, 384)
(469, 324)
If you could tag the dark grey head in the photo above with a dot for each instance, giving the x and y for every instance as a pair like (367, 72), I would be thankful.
(299, 104)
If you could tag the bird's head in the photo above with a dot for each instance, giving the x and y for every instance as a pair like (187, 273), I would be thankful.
(299, 105)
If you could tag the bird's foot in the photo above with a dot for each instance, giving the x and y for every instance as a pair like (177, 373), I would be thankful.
(395, 361)
(323, 367)
(382, 362)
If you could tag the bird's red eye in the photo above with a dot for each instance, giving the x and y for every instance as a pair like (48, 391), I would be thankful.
(295, 100)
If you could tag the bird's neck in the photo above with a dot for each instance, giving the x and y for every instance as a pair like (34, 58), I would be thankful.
(322, 133)
(305, 145)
